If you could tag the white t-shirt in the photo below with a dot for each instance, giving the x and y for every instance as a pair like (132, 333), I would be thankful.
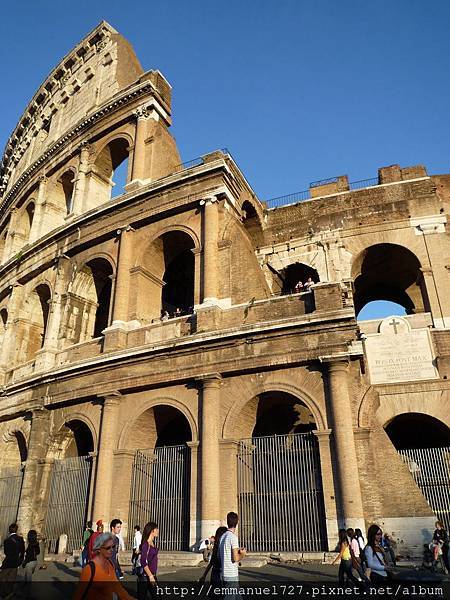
(203, 544)
(137, 540)
(228, 541)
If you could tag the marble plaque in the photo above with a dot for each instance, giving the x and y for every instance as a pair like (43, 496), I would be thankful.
(398, 353)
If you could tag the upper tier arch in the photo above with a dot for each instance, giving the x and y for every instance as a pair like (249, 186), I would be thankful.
(94, 71)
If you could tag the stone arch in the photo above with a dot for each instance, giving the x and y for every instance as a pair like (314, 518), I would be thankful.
(76, 436)
(295, 273)
(3, 238)
(387, 271)
(14, 443)
(417, 430)
(164, 275)
(110, 156)
(283, 387)
(88, 309)
(432, 403)
(33, 322)
(62, 191)
(252, 221)
(127, 437)
(24, 223)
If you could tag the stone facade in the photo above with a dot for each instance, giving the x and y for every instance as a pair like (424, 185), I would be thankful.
(87, 365)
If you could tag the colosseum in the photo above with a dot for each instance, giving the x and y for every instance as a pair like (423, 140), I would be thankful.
(177, 347)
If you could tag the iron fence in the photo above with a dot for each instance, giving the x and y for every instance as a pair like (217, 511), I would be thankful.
(10, 487)
(67, 509)
(280, 494)
(160, 492)
(430, 469)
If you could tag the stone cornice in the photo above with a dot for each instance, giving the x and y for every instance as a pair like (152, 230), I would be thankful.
(82, 126)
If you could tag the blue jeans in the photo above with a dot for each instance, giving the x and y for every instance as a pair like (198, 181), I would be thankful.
(232, 583)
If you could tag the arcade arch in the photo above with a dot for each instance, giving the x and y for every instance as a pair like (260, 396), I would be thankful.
(389, 272)
(110, 162)
(33, 322)
(417, 430)
(252, 224)
(294, 273)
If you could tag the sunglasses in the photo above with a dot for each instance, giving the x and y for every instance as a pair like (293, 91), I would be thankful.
(108, 547)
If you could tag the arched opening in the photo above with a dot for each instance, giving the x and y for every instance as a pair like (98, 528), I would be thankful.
(3, 236)
(160, 487)
(417, 430)
(279, 476)
(380, 309)
(389, 272)
(67, 185)
(89, 301)
(111, 169)
(252, 224)
(30, 215)
(69, 485)
(3, 323)
(295, 273)
(423, 442)
(171, 263)
(79, 439)
(33, 323)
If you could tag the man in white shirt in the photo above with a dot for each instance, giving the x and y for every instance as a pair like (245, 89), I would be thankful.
(231, 555)
(136, 547)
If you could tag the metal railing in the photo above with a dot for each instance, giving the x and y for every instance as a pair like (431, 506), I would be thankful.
(430, 469)
(306, 194)
(160, 492)
(10, 487)
(279, 481)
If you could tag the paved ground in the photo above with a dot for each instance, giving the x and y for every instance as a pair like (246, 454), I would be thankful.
(58, 580)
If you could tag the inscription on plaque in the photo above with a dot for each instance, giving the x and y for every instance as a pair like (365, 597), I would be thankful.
(398, 353)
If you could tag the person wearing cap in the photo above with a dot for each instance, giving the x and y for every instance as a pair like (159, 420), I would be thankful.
(93, 538)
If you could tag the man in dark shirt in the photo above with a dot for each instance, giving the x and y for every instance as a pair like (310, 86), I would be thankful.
(14, 548)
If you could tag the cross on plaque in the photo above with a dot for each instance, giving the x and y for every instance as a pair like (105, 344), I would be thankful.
(393, 322)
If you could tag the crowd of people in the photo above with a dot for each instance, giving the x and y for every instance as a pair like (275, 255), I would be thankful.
(361, 564)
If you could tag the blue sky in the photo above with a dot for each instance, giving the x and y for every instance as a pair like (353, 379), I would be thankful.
(297, 90)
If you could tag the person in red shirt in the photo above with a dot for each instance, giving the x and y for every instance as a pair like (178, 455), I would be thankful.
(93, 538)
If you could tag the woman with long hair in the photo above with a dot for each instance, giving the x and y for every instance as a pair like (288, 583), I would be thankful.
(214, 562)
(30, 561)
(375, 556)
(147, 581)
(345, 567)
(98, 579)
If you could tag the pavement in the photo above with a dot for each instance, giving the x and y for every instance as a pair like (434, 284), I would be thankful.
(58, 581)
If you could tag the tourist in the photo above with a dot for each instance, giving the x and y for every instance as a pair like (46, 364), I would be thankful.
(355, 552)
(85, 543)
(231, 555)
(147, 581)
(93, 537)
(298, 287)
(115, 527)
(165, 315)
(206, 547)
(14, 548)
(345, 566)
(389, 553)
(308, 283)
(375, 556)
(439, 541)
(214, 563)
(98, 579)
(178, 312)
(137, 539)
(30, 561)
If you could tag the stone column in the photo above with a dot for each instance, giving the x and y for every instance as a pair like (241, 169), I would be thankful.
(122, 287)
(209, 454)
(350, 508)
(329, 493)
(105, 464)
(10, 245)
(138, 170)
(229, 478)
(39, 216)
(210, 250)
(80, 183)
(8, 349)
(37, 450)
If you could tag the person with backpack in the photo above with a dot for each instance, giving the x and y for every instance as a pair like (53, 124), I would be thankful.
(214, 564)
(98, 579)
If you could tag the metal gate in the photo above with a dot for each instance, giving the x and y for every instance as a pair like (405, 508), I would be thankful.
(430, 468)
(160, 492)
(68, 501)
(280, 494)
(10, 487)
